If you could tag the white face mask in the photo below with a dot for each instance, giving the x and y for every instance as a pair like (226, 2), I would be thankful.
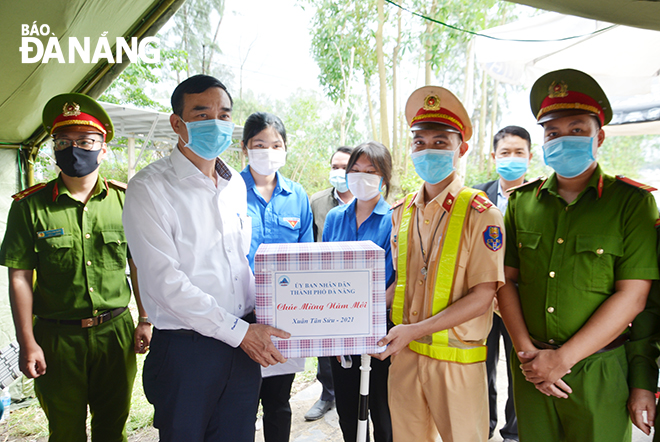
(266, 161)
(364, 186)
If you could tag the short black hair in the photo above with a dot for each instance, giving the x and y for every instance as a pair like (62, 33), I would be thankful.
(512, 130)
(343, 149)
(380, 157)
(195, 85)
(259, 121)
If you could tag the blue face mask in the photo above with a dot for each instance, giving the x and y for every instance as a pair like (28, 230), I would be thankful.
(433, 165)
(511, 168)
(570, 156)
(209, 138)
(338, 180)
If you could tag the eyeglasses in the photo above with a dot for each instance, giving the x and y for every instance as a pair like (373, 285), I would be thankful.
(81, 143)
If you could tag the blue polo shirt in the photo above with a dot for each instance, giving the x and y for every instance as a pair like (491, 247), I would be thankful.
(286, 218)
(341, 225)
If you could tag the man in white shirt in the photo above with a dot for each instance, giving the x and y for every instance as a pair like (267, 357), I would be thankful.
(186, 223)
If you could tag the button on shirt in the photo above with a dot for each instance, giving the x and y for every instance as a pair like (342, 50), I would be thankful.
(189, 239)
(569, 256)
(341, 225)
(78, 250)
(286, 218)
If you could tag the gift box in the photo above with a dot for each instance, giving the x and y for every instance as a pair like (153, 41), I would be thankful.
(330, 296)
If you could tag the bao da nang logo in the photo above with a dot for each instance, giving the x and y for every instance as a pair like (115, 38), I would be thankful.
(283, 281)
(33, 49)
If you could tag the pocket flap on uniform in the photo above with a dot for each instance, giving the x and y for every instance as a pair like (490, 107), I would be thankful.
(54, 242)
(529, 240)
(113, 236)
(598, 244)
(291, 222)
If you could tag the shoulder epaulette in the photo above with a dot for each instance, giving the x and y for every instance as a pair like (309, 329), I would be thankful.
(29, 191)
(481, 204)
(523, 185)
(657, 223)
(118, 184)
(635, 183)
(398, 203)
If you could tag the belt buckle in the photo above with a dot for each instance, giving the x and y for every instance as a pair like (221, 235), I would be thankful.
(87, 322)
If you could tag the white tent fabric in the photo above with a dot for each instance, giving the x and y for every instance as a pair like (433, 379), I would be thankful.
(625, 61)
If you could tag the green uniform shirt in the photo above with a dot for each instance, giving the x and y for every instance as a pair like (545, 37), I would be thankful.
(643, 349)
(570, 255)
(78, 250)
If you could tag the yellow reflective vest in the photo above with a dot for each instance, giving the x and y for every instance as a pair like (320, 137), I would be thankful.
(439, 347)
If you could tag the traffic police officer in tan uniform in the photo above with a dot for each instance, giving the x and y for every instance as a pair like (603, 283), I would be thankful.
(578, 246)
(448, 249)
(80, 347)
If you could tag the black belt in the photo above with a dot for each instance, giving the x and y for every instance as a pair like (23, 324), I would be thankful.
(618, 342)
(88, 322)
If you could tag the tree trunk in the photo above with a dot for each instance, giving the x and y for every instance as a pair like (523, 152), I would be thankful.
(395, 61)
(482, 119)
(382, 76)
(493, 120)
(344, 100)
(221, 11)
(396, 177)
(468, 92)
(428, 55)
(372, 115)
(185, 39)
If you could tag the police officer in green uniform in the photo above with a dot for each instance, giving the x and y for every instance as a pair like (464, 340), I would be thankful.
(643, 351)
(75, 332)
(578, 247)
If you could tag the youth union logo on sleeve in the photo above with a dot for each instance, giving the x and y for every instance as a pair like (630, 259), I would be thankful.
(283, 281)
(493, 238)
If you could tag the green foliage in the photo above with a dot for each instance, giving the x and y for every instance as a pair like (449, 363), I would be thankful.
(410, 182)
(626, 155)
(313, 135)
(44, 164)
(132, 86)
(195, 31)
(340, 27)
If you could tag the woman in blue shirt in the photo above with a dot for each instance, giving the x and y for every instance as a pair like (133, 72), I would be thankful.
(368, 217)
(280, 213)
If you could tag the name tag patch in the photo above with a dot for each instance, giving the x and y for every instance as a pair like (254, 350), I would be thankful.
(50, 233)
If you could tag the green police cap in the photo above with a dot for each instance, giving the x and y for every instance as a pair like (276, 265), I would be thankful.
(77, 110)
(567, 92)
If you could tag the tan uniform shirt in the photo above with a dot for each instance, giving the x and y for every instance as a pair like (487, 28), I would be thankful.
(477, 262)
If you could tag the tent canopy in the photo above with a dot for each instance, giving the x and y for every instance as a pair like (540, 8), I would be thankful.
(639, 13)
(624, 60)
(26, 87)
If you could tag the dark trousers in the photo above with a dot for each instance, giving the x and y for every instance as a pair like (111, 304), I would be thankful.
(202, 389)
(275, 393)
(510, 428)
(347, 397)
(324, 375)
(87, 366)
